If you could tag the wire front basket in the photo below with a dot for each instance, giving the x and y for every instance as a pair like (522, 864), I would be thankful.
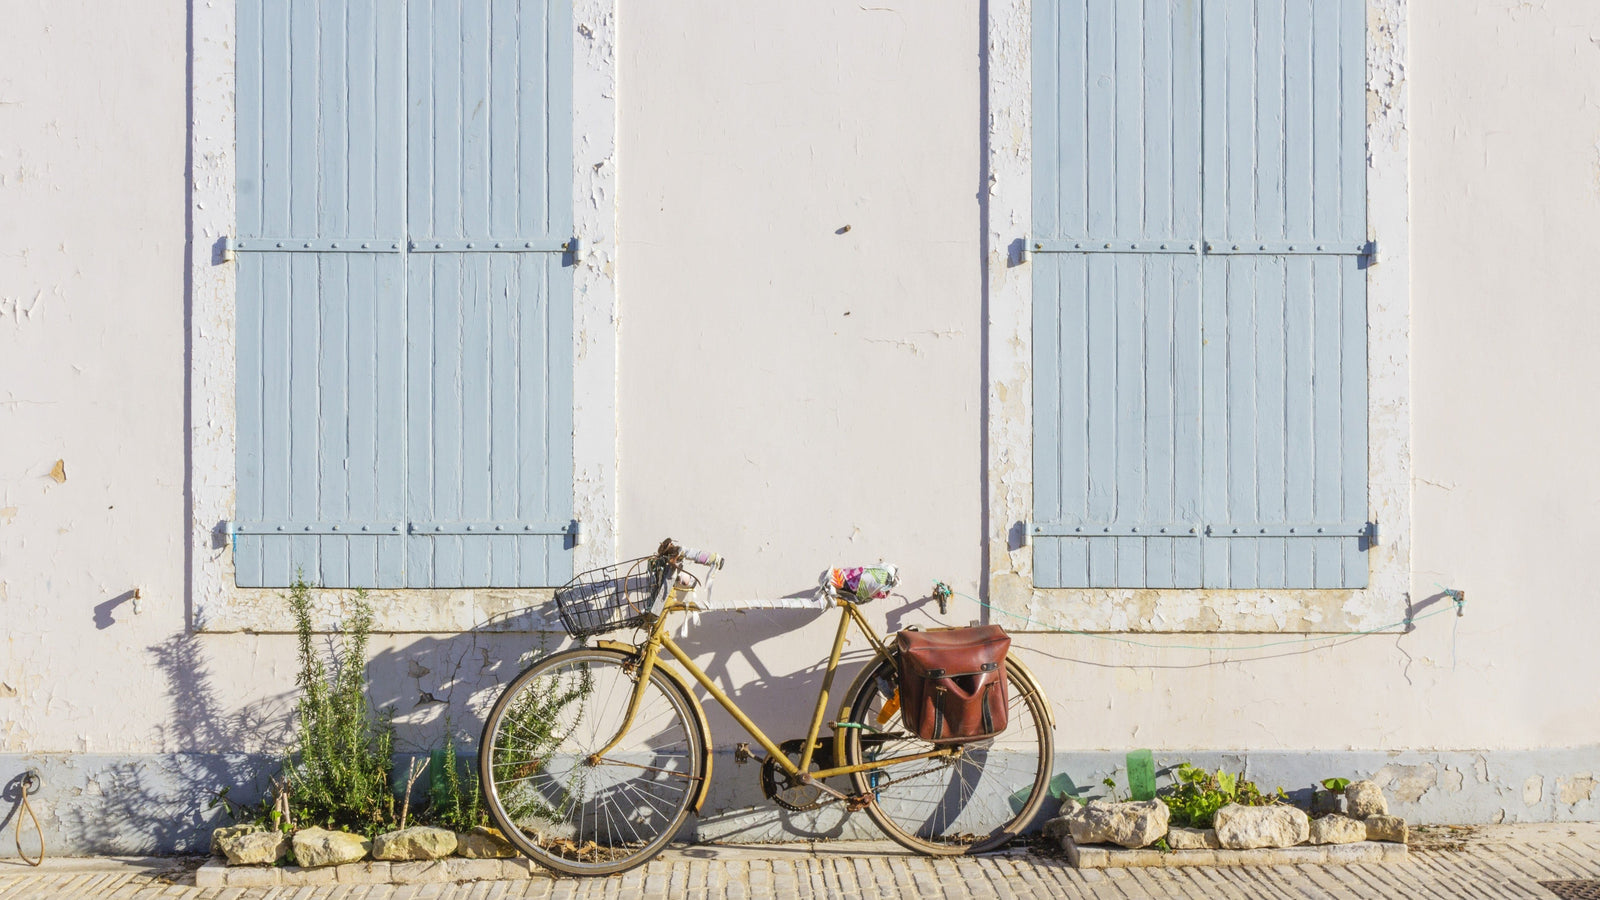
(611, 598)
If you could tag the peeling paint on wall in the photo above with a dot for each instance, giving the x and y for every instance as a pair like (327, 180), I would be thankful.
(1575, 789)
(1407, 784)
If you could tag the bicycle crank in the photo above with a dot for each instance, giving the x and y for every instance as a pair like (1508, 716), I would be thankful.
(789, 791)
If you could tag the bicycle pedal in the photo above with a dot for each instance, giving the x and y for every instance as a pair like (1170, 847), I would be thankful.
(742, 754)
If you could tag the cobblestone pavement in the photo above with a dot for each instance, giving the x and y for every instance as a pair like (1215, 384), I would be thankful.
(1486, 864)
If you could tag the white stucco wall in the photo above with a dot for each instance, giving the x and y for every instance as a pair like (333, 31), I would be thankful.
(796, 396)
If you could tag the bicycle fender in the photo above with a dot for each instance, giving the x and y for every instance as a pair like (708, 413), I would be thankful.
(1015, 665)
(699, 712)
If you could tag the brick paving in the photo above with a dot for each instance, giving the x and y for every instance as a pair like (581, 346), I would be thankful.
(1491, 863)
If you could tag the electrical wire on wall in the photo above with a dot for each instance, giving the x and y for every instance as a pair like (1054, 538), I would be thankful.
(943, 592)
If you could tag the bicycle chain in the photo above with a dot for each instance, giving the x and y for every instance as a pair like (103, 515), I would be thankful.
(858, 802)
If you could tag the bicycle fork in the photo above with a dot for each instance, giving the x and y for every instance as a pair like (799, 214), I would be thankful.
(647, 664)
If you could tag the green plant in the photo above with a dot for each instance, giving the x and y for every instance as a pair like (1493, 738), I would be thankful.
(1112, 792)
(1336, 785)
(339, 773)
(453, 801)
(1196, 794)
(537, 724)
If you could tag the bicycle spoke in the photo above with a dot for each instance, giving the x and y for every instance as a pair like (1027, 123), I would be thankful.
(959, 804)
(617, 762)
(569, 813)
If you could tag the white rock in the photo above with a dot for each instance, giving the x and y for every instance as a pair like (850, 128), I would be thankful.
(1337, 830)
(1129, 825)
(1180, 838)
(228, 831)
(417, 842)
(259, 848)
(1365, 798)
(317, 847)
(484, 843)
(1386, 828)
(1254, 827)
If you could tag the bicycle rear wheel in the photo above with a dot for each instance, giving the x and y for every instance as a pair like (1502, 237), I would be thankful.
(559, 804)
(970, 803)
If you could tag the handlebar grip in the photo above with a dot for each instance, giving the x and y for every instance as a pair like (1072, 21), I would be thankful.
(704, 557)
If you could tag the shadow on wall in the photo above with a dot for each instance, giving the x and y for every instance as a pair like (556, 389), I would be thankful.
(167, 801)
(157, 802)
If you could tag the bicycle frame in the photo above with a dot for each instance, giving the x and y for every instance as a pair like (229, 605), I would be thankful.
(649, 658)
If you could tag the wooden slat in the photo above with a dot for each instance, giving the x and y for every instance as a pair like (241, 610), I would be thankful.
(319, 102)
(490, 381)
(1117, 110)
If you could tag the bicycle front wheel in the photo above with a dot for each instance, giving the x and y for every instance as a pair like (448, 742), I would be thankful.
(974, 801)
(560, 803)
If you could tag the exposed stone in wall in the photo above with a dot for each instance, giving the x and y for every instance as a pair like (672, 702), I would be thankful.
(1407, 784)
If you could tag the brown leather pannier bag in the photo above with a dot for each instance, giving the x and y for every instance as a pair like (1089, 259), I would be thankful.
(953, 685)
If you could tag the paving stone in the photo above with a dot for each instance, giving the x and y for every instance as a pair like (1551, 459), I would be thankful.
(1499, 865)
(252, 876)
(523, 867)
(461, 869)
(1353, 854)
(422, 871)
(212, 873)
(294, 876)
(369, 872)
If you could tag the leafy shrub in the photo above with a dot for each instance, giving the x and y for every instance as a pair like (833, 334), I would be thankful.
(339, 774)
(1196, 795)
(538, 717)
(454, 802)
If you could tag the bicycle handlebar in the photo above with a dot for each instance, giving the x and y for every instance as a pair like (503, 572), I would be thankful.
(671, 551)
(704, 557)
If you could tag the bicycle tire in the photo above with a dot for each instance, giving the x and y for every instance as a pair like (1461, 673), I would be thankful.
(556, 806)
(972, 804)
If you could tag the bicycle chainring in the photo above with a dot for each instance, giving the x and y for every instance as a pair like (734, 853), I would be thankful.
(789, 792)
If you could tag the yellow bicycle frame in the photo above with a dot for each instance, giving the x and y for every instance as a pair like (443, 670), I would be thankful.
(649, 657)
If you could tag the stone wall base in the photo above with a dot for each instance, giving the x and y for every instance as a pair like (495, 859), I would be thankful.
(134, 804)
(1099, 857)
(215, 873)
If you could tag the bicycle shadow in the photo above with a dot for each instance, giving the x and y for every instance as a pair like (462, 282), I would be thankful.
(439, 685)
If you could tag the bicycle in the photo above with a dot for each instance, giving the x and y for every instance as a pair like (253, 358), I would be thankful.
(592, 759)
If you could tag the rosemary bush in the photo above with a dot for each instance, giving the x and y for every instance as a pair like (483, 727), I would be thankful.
(539, 720)
(453, 801)
(339, 773)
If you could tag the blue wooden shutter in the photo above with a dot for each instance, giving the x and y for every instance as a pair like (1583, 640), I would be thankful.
(320, 293)
(489, 315)
(1116, 118)
(404, 311)
(1284, 320)
(1242, 427)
